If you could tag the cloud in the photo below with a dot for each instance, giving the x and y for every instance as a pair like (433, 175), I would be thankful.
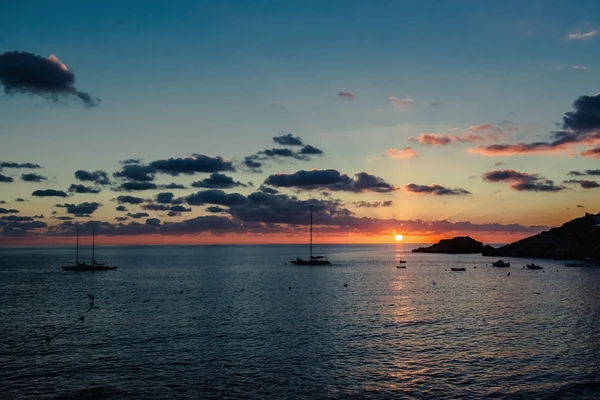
(12, 228)
(27, 165)
(121, 219)
(252, 164)
(166, 207)
(214, 196)
(436, 190)
(130, 200)
(311, 150)
(330, 179)
(275, 153)
(437, 139)
(49, 193)
(580, 206)
(436, 104)
(191, 165)
(8, 211)
(288, 140)
(215, 209)
(172, 186)
(592, 172)
(77, 188)
(27, 73)
(346, 94)
(579, 35)
(593, 152)
(136, 172)
(268, 190)
(521, 181)
(80, 210)
(131, 161)
(16, 218)
(581, 126)
(2, 201)
(121, 208)
(98, 177)
(499, 163)
(138, 215)
(217, 181)
(407, 152)
(20, 200)
(32, 178)
(580, 67)
(6, 179)
(401, 104)
(373, 204)
(164, 198)
(584, 184)
(138, 186)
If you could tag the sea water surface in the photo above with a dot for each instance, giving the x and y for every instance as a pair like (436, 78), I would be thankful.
(190, 322)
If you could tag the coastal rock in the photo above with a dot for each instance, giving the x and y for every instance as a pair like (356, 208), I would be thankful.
(574, 240)
(456, 245)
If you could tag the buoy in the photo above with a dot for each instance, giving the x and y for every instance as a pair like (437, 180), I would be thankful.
(434, 283)
(508, 274)
(345, 285)
(81, 318)
(242, 290)
(290, 287)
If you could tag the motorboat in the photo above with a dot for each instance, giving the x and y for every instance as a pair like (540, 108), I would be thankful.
(501, 263)
(533, 266)
(458, 269)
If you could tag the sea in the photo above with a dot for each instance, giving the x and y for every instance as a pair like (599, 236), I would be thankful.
(241, 322)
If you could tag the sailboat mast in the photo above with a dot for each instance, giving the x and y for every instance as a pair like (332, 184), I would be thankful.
(311, 232)
(93, 245)
(77, 248)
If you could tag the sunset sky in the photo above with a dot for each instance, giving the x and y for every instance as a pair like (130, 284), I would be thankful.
(225, 122)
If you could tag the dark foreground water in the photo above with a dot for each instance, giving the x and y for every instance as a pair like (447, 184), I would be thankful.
(235, 322)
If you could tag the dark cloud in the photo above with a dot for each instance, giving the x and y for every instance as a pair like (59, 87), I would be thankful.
(252, 164)
(137, 186)
(217, 181)
(27, 73)
(131, 161)
(580, 127)
(120, 219)
(136, 172)
(580, 206)
(346, 94)
(521, 181)
(592, 172)
(80, 210)
(2, 201)
(27, 165)
(98, 177)
(32, 178)
(585, 184)
(153, 222)
(49, 193)
(216, 209)
(121, 208)
(330, 179)
(288, 140)
(373, 204)
(172, 186)
(191, 165)
(215, 196)
(138, 215)
(268, 190)
(129, 200)
(12, 228)
(20, 200)
(16, 218)
(586, 116)
(173, 214)
(164, 207)
(64, 218)
(76, 188)
(6, 179)
(436, 190)
(311, 150)
(164, 197)
(8, 211)
(39, 216)
(593, 152)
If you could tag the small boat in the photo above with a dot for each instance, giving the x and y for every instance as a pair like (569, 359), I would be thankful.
(313, 260)
(401, 260)
(533, 266)
(458, 269)
(589, 261)
(400, 266)
(83, 267)
(501, 263)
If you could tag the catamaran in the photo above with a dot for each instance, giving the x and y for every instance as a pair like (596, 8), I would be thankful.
(83, 267)
(313, 260)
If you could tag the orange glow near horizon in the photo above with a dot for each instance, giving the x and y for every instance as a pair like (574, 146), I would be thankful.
(172, 240)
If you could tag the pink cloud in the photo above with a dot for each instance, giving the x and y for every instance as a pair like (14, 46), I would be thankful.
(401, 104)
(436, 139)
(407, 152)
(484, 127)
(347, 94)
(594, 152)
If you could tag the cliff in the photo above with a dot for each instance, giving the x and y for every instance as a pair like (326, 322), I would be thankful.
(574, 240)
(457, 245)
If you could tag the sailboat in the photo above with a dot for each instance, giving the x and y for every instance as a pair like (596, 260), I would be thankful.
(83, 267)
(313, 260)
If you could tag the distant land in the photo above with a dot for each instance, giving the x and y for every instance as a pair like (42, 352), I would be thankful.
(574, 240)
(456, 245)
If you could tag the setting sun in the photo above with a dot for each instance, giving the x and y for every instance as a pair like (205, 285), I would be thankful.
(398, 238)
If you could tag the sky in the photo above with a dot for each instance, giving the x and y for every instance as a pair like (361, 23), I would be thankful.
(427, 119)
